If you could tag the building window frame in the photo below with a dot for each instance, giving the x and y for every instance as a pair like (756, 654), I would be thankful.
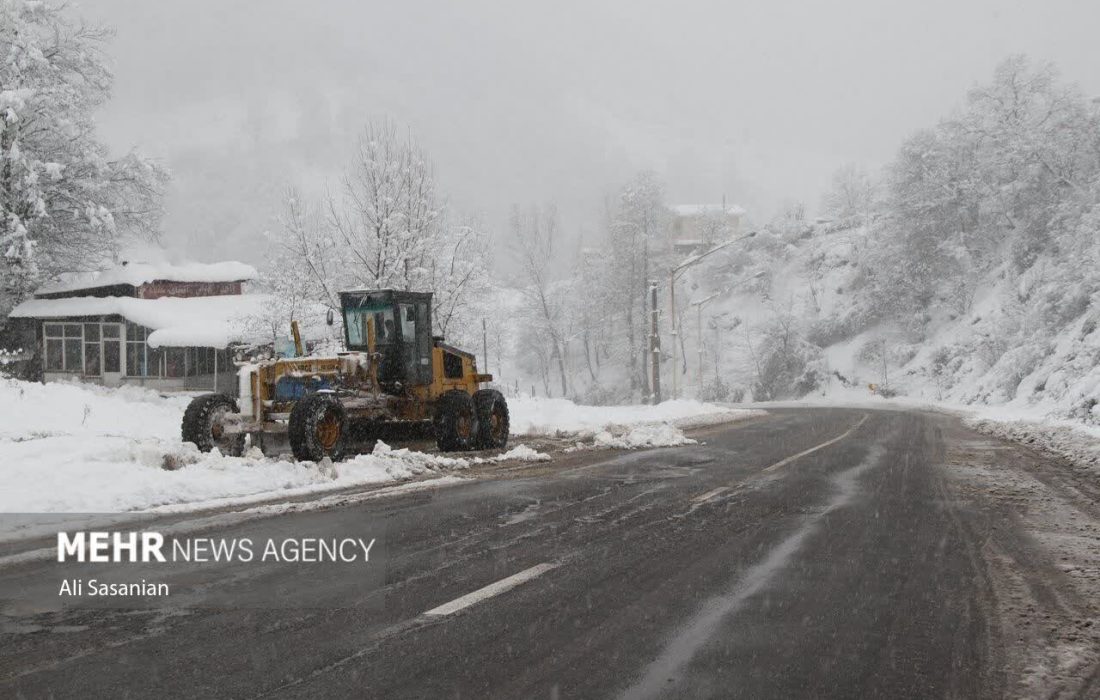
(68, 339)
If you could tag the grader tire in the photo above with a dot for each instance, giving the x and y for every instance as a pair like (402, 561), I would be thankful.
(318, 428)
(202, 424)
(455, 422)
(492, 419)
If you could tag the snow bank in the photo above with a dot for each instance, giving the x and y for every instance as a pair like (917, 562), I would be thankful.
(80, 448)
(1077, 443)
(30, 411)
(624, 427)
(541, 416)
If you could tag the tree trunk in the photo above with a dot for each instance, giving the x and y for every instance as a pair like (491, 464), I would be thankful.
(588, 357)
(561, 370)
(646, 389)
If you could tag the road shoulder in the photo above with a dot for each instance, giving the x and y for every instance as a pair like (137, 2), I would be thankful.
(1043, 551)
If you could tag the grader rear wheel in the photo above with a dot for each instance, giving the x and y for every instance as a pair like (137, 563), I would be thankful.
(492, 419)
(318, 428)
(455, 422)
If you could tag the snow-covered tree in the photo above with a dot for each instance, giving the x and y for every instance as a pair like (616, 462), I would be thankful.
(636, 228)
(546, 309)
(387, 216)
(65, 204)
(386, 228)
(298, 273)
(459, 274)
(987, 189)
(851, 194)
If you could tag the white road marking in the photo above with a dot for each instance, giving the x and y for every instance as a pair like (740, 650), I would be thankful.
(803, 453)
(493, 589)
(710, 494)
(662, 676)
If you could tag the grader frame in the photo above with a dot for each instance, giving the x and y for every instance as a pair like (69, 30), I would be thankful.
(394, 373)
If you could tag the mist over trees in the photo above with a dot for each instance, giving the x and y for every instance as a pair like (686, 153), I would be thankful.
(67, 205)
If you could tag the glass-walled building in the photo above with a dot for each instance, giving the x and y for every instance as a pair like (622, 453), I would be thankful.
(165, 327)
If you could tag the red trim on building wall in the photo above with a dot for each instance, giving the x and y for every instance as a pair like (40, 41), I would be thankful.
(164, 288)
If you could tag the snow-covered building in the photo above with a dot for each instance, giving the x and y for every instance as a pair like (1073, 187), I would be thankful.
(167, 327)
(700, 226)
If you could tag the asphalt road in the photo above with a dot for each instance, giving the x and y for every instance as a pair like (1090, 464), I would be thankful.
(812, 553)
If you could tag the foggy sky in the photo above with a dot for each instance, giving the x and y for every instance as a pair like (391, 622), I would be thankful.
(558, 101)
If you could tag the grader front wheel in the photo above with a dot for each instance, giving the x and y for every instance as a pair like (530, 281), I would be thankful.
(318, 428)
(203, 424)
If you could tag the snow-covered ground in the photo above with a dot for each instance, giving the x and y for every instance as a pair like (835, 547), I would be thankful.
(81, 448)
(542, 416)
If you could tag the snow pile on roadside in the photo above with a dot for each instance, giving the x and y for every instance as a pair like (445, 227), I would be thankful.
(521, 453)
(541, 416)
(622, 427)
(647, 435)
(106, 474)
(85, 449)
(1074, 442)
(415, 460)
(80, 448)
(29, 411)
(113, 474)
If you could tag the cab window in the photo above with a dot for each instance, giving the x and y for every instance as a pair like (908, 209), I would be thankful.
(356, 320)
(408, 322)
(452, 366)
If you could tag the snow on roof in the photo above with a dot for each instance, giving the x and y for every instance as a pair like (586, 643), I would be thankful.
(213, 322)
(699, 209)
(138, 273)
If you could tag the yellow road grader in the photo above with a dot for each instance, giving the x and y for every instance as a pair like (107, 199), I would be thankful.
(393, 374)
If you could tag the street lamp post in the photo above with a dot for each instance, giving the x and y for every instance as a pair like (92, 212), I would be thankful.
(672, 302)
(699, 327)
(699, 318)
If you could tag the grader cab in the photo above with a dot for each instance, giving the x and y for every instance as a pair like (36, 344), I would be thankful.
(394, 373)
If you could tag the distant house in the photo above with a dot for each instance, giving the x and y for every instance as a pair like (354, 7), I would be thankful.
(167, 327)
(699, 226)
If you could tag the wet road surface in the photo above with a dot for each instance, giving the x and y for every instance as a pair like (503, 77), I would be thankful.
(816, 553)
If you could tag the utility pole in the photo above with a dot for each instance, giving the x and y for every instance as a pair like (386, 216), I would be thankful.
(699, 320)
(673, 333)
(885, 379)
(655, 344)
(485, 345)
(672, 299)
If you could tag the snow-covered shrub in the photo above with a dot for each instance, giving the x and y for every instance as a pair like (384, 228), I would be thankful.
(18, 364)
(787, 367)
(718, 390)
(600, 395)
(1013, 366)
(990, 347)
(833, 329)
